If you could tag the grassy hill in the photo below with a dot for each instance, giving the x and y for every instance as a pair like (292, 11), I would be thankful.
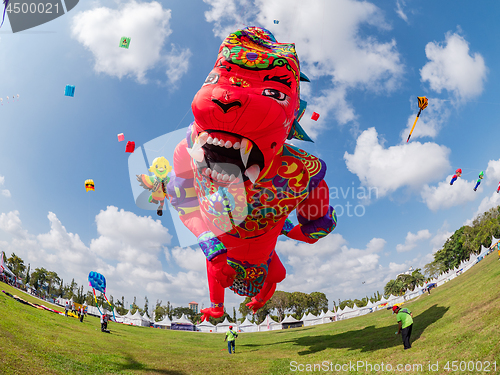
(459, 321)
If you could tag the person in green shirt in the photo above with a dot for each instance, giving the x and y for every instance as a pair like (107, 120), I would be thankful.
(405, 322)
(231, 338)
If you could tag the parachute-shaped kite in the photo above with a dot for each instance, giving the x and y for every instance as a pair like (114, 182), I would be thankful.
(89, 185)
(130, 146)
(457, 174)
(422, 104)
(69, 90)
(98, 281)
(481, 176)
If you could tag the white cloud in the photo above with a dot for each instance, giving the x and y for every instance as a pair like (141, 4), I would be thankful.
(177, 64)
(486, 204)
(399, 10)
(388, 169)
(349, 60)
(440, 238)
(430, 121)
(445, 195)
(451, 68)
(332, 267)
(190, 259)
(5, 192)
(492, 173)
(412, 239)
(127, 252)
(146, 24)
(11, 223)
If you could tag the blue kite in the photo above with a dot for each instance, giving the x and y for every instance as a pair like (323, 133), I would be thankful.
(69, 90)
(98, 281)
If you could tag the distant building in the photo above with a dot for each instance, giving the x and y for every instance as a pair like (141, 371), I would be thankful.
(409, 272)
(194, 307)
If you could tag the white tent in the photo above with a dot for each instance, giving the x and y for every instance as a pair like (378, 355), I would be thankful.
(138, 320)
(126, 319)
(248, 326)
(291, 322)
(147, 318)
(164, 323)
(349, 313)
(182, 324)
(118, 317)
(329, 317)
(224, 326)
(310, 319)
(269, 324)
(182, 320)
(206, 326)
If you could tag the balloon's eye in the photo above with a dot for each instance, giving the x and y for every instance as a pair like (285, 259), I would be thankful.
(275, 94)
(212, 79)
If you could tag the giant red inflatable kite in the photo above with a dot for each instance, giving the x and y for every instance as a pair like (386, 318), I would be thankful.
(235, 179)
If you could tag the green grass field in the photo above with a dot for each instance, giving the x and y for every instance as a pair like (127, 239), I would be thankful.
(459, 322)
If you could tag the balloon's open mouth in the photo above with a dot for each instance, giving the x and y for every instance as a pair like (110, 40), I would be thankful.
(227, 157)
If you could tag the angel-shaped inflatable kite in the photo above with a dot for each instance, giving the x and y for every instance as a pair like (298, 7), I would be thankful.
(236, 180)
(157, 183)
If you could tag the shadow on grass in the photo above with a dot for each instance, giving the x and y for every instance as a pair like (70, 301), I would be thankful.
(132, 364)
(370, 339)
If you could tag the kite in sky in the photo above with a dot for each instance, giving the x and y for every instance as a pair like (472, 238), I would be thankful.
(422, 104)
(98, 281)
(130, 147)
(481, 176)
(236, 180)
(89, 185)
(125, 42)
(157, 183)
(69, 90)
(457, 174)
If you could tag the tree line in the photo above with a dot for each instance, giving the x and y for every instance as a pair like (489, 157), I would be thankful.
(465, 242)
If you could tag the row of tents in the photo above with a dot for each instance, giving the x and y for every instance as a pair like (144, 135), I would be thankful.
(183, 323)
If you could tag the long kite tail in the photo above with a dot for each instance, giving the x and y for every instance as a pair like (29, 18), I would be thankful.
(415, 123)
(112, 308)
(96, 303)
(5, 3)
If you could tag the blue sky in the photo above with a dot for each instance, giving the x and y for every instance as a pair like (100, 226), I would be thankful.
(368, 62)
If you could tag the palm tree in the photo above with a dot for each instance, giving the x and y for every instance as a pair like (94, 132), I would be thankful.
(418, 278)
(16, 264)
(393, 287)
(52, 279)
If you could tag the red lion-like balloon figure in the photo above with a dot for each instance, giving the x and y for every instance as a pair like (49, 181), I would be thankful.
(236, 180)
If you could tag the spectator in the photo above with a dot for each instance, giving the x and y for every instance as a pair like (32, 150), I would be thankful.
(104, 323)
(231, 338)
(405, 324)
(66, 308)
(81, 312)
